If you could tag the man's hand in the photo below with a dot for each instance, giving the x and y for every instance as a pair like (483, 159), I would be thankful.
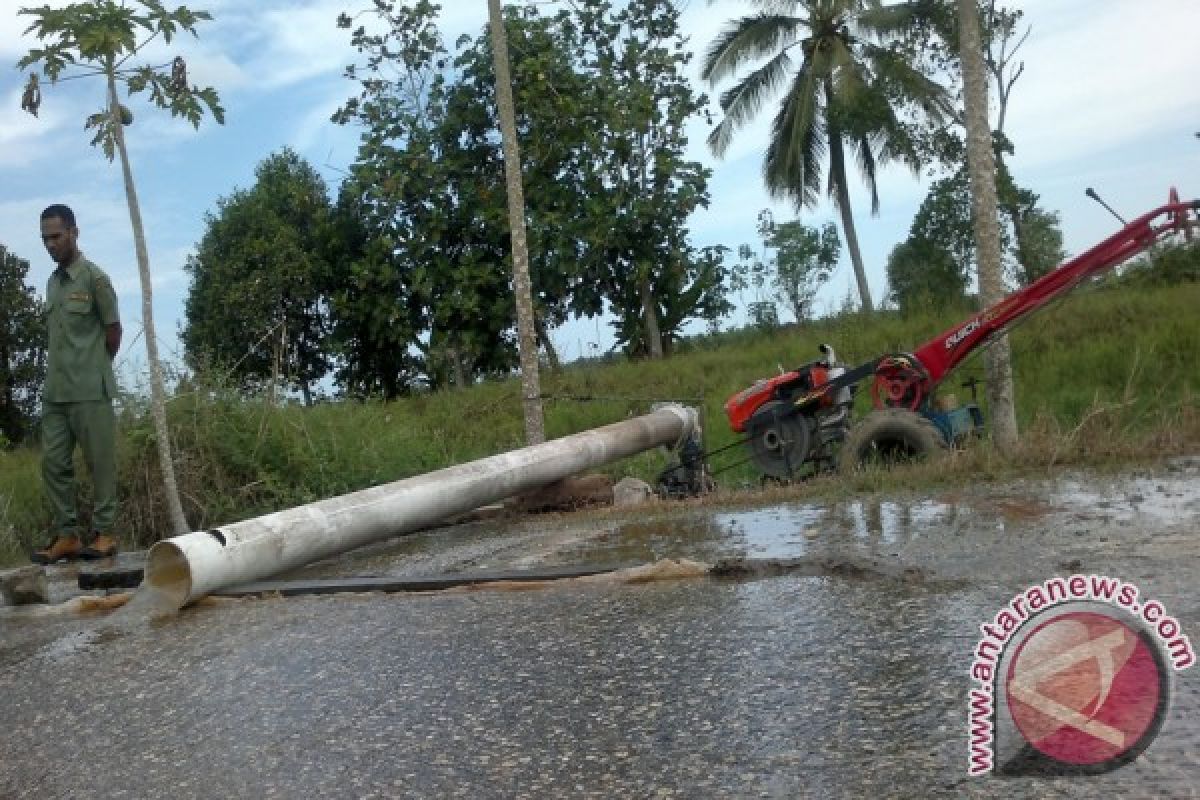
(112, 339)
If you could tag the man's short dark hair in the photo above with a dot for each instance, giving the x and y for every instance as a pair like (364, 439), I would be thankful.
(62, 212)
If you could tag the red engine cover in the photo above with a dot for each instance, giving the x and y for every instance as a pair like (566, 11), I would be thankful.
(741, 407)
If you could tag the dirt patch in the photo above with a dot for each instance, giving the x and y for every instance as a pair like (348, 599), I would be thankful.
(83, 604)
(1022, 508)
(852, 567)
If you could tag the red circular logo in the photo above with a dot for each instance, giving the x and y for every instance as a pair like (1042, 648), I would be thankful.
(1086, 689)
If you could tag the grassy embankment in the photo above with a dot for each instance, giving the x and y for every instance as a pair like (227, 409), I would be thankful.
(1107, 377)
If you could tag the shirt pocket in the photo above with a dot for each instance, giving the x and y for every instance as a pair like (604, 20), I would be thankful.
(79, 319)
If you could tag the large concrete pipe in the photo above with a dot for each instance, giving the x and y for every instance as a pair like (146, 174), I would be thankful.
(185, 568)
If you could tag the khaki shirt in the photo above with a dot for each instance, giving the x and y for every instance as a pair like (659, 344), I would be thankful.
(80, 304)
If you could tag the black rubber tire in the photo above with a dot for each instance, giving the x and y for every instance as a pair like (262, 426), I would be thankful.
(890, 436)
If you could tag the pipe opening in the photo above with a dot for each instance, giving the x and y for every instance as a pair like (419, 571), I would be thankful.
(220, 537)
(168, 576)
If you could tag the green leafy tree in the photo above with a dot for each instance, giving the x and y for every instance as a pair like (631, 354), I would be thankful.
(754, 270)
(1035, 234)
(1041, 243)
(1166, 265)
(551, 124)
(763, 314)
(922, 273)
(608, 196)
(22, 350)
(600, 106)
(846, 93)
(795, 261)
(805, 257)
(932, 267)
(427, 276)
(375, 316)
(639, 186)
(258, 301)
(941, 241)
(686, 285)
(99, 39)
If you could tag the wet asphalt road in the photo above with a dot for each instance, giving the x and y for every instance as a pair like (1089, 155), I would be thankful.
(844, 685)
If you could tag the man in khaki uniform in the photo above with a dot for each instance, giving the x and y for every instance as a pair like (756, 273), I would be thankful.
(84, 331)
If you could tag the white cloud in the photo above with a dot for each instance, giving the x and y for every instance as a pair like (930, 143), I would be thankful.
(156, 131)
(298, 44)
(13, 42)
(1099, 75)
(314, 133)
(24, 137)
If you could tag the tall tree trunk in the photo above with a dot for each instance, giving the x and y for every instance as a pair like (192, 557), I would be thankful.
(982, 168)
(535, 427)
(837, 163)
(458, 367)
(654, 346)
(158, 393)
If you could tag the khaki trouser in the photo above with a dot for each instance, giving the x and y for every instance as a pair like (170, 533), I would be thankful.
(92, 426)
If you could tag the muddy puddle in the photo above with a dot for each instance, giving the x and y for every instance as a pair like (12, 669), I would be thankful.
(778, 532)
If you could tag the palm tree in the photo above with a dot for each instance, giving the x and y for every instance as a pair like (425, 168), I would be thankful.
(982, 168)
(845, 93)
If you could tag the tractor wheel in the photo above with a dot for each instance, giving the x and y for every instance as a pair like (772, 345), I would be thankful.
(890, 436)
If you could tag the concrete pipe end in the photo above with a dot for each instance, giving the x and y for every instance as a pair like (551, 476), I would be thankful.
(689, 418)
(168, 576)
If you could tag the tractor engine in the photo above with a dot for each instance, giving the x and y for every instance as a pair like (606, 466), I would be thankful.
(793, 418)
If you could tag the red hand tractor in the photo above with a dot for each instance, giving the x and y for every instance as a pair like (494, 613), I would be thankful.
(799, 422)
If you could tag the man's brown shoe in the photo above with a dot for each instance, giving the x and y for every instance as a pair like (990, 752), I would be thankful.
(67, 547)
(103, 546)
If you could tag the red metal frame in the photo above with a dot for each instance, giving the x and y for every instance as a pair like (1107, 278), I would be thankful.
(742, 406)
(946, 351)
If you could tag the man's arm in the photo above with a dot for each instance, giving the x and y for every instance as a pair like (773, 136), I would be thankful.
(106, 307)
(112, 339)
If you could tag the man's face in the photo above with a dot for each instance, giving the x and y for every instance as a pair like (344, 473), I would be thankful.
(60, 240)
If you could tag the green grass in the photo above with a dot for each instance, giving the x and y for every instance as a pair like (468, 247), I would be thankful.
(1106, 377)
(21, 509)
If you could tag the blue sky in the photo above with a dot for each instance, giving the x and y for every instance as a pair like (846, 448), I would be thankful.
(1109, 99)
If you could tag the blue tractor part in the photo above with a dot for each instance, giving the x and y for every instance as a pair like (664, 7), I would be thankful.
(957, 425)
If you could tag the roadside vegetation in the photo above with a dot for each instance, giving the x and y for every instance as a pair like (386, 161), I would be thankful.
(1105, 378)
